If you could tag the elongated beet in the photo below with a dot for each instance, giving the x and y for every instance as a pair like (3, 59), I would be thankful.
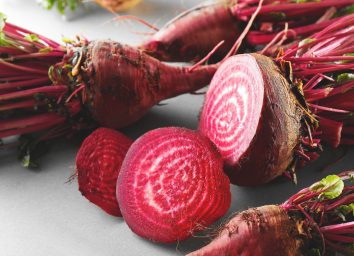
(196, 32)
(98, 164)
(269, 117)
(172, 184)
(316, 221)
(89, 83)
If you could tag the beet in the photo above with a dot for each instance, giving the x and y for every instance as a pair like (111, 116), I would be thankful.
(252, 117)
(98, 164)
(317, 220)
(172, 184)
(263, 231)
(193, 34)
(269, 117)
(90, 83)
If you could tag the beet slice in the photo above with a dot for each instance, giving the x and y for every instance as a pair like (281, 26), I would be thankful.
(172, 184)
(98, 163)
(252, 117)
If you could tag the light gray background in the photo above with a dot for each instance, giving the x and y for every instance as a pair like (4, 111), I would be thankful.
(40, 214)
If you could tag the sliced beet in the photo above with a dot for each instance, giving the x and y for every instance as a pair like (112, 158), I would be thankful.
(252, 117)
(172, 184)
(98, 163)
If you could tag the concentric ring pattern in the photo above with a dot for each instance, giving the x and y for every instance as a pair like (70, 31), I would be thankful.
(233, 106)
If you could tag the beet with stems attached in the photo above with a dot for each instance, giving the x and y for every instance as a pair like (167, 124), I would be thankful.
(193, 34)
(99, 82)
(98, 164)
(268, 117)
(172, 184)
(316, 221)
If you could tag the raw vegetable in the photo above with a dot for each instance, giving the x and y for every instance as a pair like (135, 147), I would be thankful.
(318, 220)
(111, 5)
(98, 163)
(171, 184)
(60, 89)
(193, 34)
(269, 117)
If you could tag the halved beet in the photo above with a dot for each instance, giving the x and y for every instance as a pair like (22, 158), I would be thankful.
(252, 117)
(98, 163)
(172, 184)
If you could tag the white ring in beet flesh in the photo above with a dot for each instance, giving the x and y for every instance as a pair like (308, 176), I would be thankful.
(233, 106)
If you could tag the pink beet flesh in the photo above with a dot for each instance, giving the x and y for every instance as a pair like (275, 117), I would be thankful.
(233, 106)
(98, 163)
(172, 184)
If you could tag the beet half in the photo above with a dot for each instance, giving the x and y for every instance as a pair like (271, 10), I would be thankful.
(172, 184)
(269, 117)
(98, 164)
(252, 117)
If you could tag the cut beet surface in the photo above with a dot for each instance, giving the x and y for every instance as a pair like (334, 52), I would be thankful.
(233, 107)
(251, 116)
(98, 163)
(172, 184)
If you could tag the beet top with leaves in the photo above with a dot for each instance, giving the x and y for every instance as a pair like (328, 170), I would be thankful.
(56, 88)
(316, 221)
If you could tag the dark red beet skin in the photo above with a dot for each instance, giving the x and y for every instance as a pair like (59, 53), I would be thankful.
(172, 184)
(194, 33)
(98, 163)
(123, 83)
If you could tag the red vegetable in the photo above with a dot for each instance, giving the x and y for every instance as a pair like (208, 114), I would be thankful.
(98, 163)
(268, 117)
(303, 225)
(100, 82)
(193, 34)
(172, 184)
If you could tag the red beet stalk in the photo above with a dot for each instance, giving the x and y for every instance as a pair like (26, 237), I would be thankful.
(268, 117)
(318, 220)
(194, 33)
(172, 184)
(98, 164)
(89, 83)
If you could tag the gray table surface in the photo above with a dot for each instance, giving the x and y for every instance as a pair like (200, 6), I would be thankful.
(41, 214)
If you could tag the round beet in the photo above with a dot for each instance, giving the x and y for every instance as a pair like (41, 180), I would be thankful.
(172, 184)
(98, 163)
(252, 117)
